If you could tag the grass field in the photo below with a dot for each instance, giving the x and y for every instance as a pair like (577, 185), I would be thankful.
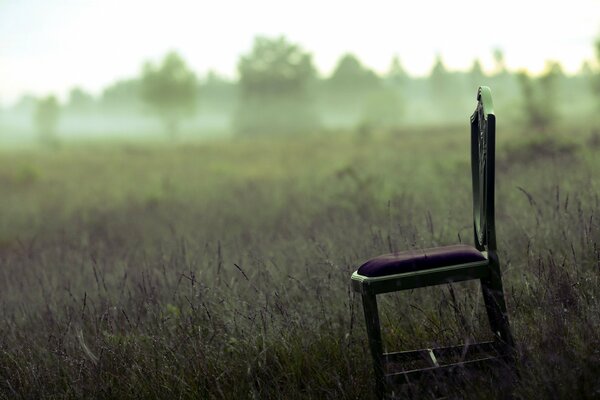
(221, 269)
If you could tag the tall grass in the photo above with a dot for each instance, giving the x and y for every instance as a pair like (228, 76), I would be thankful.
(221, 269)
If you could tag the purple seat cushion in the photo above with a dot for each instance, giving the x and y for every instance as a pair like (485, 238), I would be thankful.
(416, 260)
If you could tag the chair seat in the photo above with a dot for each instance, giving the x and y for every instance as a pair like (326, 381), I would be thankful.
(417, 260)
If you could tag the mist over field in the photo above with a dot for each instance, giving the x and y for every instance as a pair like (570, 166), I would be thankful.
(353, 97)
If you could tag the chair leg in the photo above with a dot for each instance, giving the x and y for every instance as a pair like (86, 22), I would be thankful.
(375, 343)
(495, 305)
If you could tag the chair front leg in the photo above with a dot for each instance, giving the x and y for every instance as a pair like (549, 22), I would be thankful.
(375, 343)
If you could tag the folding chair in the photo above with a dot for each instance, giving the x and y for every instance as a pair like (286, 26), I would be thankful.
(442, 265)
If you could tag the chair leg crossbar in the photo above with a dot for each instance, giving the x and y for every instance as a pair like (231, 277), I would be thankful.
(461, 356)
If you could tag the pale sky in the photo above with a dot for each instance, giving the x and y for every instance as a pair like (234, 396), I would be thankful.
(49, 46)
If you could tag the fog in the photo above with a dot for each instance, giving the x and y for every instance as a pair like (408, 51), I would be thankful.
(280, 92)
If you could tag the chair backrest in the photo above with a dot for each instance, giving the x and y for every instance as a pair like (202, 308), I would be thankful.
(483, 148)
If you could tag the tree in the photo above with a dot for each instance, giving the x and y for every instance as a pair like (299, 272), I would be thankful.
(122, 97)
(275, 89)
(351, 78)
(80, 101)
(383, 105)
(170, 89)
(443, 89)
(26, 105)
(216, 94)
(595, 76)
(585, 70)
(498, 55)
(439, 77)
(396, 75)
(349, 87)
(351, 83)
(45, 119)
(540, 97)
(551, 81)
(476, 76)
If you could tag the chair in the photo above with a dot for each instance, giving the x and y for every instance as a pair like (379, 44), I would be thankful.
(442, 265)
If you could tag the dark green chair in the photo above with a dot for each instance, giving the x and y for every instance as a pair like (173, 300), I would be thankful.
(442, 265)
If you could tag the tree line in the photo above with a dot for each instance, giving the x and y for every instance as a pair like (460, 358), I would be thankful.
(279, 91)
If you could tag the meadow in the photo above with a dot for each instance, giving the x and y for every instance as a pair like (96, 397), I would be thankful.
(220, 269)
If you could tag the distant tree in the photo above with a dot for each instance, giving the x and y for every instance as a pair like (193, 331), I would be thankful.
(439, 76)
(80, 101)
(504, 83)
(26, 105)
(122, 97)
(351, 77)
(595, 75)
(348, 89)
(216, 94)
(275, 88)
(442, 89)
(45, 119)
(383, 106)
(396, 75)
(170, 89)
(475, 76)
(540, 97)
(551, 81)
(499, 61)
(533, 113)
(585, 70)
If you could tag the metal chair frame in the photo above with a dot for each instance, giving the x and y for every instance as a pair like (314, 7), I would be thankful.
(483, 142)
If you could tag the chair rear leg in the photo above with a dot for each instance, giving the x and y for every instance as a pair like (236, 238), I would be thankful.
(495, 305)
(375, 343)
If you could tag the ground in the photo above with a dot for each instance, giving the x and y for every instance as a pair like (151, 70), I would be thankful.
(221, 268)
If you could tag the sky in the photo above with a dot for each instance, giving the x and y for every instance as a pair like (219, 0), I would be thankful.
(50, 46)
